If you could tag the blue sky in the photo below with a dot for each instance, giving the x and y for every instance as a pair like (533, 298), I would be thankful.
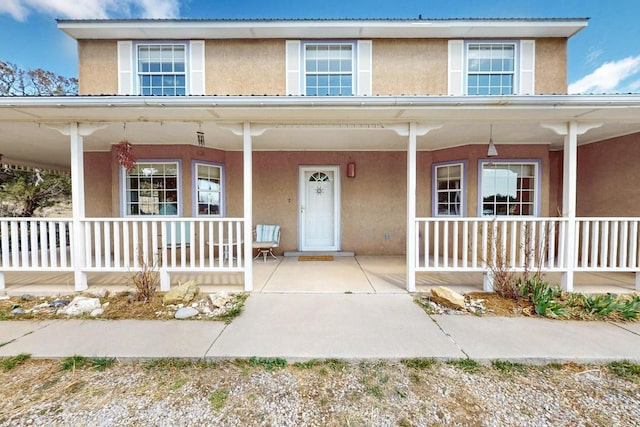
(603, 58)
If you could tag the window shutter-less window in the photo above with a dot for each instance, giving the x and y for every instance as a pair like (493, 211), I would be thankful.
(125, 68)
(456, 67)
(527, 67)
(293, 67)
(196, 67)
(365, 52)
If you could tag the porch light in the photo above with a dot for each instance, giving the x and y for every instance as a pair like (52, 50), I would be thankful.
(351, 170)
(491, 151)
(200, 136)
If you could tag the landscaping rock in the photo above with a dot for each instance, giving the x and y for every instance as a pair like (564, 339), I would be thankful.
(17, 311)
(219, 300)
(59, 303)
(41, 306)
(447, 297)
(81, 305)
(182, 294)
(97, 312)
(27, 297)
(186, 313)
(98, 293)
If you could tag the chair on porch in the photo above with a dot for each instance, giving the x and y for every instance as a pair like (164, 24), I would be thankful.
(265, 239)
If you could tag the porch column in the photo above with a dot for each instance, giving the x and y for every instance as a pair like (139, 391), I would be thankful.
(247, 158)
(569, 192)
(76, 132)
(570, 131)
(411, 209)
(412, 130)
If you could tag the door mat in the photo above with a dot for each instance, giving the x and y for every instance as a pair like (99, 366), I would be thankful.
(315, 258)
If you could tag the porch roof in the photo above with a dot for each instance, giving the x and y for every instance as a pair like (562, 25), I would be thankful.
(302, 123)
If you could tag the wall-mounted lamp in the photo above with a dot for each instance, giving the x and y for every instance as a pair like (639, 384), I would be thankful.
(491, 151)
(200, 136)
(351, 170)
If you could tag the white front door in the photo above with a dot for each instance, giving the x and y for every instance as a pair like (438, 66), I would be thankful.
(319, 202)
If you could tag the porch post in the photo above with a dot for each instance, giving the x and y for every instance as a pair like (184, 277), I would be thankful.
(77, 206)
(248, 205)
(569, 191)
(411, 209)
(570, 131)
(76, 132)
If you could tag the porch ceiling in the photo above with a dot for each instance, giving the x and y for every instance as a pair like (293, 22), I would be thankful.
(299, 123)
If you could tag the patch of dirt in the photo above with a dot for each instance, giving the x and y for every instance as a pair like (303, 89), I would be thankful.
(122, 305)
(498, 306)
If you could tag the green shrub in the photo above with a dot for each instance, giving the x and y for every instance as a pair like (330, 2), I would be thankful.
(11, 362)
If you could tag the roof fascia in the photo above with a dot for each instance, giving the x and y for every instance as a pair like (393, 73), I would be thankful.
(260, 29)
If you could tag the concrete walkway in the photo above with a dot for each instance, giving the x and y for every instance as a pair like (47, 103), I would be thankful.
(346, 326)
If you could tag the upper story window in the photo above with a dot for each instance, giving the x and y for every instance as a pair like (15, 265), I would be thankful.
(152, 188)
(328, 69)
(486, 68)
(448, 189)
(509, 188)
(491, 68)
(162, 69)
(209, 185)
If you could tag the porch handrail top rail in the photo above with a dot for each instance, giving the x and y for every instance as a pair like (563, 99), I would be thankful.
(160, 219)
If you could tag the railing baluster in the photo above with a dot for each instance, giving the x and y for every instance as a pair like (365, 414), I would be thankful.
(465, 244)
(604, 255)
(623, 242)
(456, 236)
(427, 243)
(97, 241)
(633, 245)
(613, 246)
(595, 243)
(445, 243)
(116, 244)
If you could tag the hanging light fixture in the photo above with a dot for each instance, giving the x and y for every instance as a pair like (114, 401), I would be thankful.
(200, 136)
(491, 151)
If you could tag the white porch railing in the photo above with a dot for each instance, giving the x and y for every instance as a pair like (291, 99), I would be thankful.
(474, 244)
(122, 244)
(608, 244)
(29, 244)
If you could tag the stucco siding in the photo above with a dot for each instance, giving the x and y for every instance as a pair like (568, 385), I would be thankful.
(608, 174)
(551, 66)
(410, 67)
(98, 67)
(245, 67)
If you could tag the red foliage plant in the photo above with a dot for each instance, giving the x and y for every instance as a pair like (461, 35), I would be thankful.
(125, 156)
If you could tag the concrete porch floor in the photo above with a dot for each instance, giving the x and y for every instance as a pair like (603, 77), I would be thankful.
(358, 274)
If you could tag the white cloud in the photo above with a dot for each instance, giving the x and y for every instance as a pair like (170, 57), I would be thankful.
(92, 9)
(15, 8)
(609, 77)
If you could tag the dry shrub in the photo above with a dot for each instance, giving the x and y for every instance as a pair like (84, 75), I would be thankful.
(147, 279)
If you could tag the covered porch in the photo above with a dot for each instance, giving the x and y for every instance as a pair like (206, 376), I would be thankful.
(254, 134)
(358, 274)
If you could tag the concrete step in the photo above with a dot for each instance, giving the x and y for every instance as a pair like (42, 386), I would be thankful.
(319, 253)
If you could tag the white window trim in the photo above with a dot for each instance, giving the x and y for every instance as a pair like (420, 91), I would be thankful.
(463, 187)
(194, 187)
(187, 63)
(354, 62)
(124, 189)
(537, 163)
(516, 64)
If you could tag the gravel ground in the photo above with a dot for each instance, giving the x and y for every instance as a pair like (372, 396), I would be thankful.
(329, 393)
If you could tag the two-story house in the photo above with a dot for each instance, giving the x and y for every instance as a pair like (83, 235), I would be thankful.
(452, 142)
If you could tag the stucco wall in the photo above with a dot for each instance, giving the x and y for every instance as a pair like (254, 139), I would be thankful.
(257, 67)
(98, 67)
(551, 66)
(410, 67)
(372, 203)
(245, 67)
(97, 184)
(608, 174)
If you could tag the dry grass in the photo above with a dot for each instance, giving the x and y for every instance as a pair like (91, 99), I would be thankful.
(365, 393)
